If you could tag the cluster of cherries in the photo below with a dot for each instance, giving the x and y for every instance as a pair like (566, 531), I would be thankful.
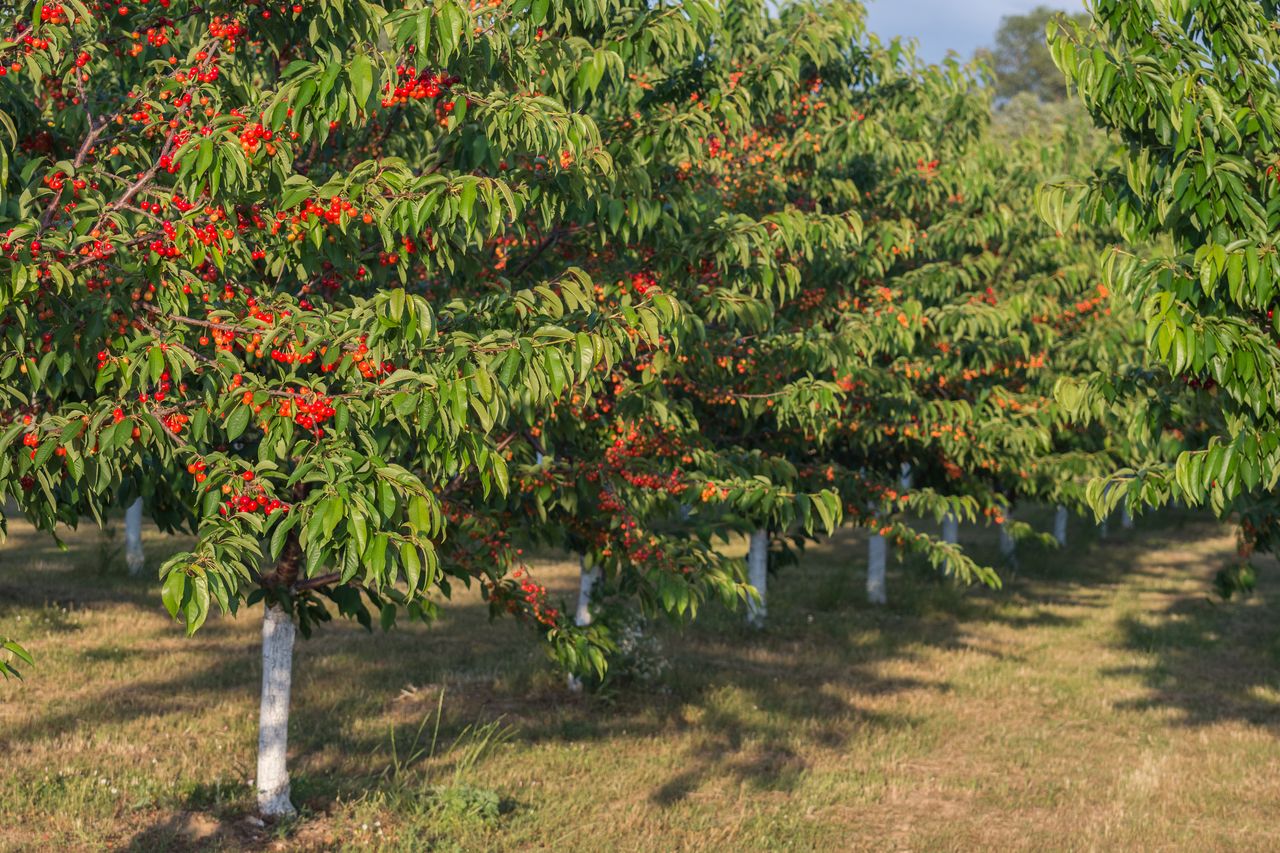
(51, 14)
(1085, 306)
(292, 356)
(256, 136)
(711, 492)
(534, 596)
(252, 500)
(308, 409)
(310, 209)
(228, 30)
(166, 248)
(415, 85)
(56, 181)
(643, 282)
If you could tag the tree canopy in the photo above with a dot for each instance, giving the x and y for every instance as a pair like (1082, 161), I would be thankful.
(1190, 88)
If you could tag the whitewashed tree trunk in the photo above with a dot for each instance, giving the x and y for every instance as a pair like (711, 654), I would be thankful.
(907, 479)
(1060, 526)
(950, 532)
(587, 580)
(273, 715)
(1126, 520)
(133, 554)
(877, 552)
(758, 577)
(1008, 547)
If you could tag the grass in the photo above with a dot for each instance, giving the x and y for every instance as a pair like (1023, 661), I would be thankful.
(1100, 700)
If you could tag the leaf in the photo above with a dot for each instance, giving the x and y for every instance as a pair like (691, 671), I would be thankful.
(173, 591)
(237, 422)
(360, 73)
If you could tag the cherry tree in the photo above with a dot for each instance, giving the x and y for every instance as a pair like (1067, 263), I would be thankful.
(1190, 87)
(242, 247)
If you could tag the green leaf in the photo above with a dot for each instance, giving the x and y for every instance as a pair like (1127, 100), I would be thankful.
(173, 591)
(237, 422)
(360, 72)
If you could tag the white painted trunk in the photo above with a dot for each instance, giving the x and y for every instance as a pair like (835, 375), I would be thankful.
(950, 533)
(133, 554)
(1126, 520)
(1060, 526)
(587, 580)
(273, 716)
(1008, 546)
(758, 577)
(877, 551)
(907, 479)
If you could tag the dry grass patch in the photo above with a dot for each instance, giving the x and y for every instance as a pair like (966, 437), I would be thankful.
(1100, 700)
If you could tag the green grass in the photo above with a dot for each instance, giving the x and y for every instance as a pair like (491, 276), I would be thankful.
(1099, 700)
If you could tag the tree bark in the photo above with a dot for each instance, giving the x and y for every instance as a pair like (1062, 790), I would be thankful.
(1060, 526)
(1126, 519)
(278, 634)
(133, 553)
(1008, 547)
(758, 577)
(273, 715)
(950, 530)
(877, 552)
(587, 580)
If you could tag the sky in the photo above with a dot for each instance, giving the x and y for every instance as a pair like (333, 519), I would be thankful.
(942, 25)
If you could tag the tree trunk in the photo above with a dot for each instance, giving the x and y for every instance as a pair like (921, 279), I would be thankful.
(273, 716)
(950, 531)
(587, 580)
(1008, 547)
(906, 479)
(133, 554)
(1060, 526)
(1104, 527)
(1126, 520)
(877, 551)
(758, 577)
(277, 678)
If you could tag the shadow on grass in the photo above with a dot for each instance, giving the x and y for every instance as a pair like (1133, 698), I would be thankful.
(1211, 661)
(756, 698)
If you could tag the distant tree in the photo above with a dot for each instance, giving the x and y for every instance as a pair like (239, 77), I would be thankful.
(1020, 57)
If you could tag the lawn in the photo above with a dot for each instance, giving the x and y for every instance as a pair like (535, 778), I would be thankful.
(1101, 700)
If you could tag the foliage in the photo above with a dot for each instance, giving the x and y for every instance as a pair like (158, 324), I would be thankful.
(249, 274)
(373, 298)
(1190, 88)
(10, 652)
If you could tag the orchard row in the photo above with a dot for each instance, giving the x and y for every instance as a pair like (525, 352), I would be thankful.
(373, 297)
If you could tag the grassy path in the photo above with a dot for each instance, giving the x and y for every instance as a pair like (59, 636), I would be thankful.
(1098, 701)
